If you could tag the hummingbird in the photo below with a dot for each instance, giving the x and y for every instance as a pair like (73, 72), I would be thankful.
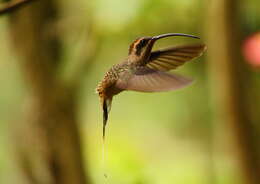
(145, 70)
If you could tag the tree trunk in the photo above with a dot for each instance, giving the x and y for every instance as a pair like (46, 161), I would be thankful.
(47, 142)
(228, 87)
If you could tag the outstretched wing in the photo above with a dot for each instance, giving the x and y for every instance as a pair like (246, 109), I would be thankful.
(145, 79)
(171, 58)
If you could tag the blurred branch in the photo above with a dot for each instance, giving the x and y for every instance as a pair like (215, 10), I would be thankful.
(13, 5)
(229, 84)
(49, 121)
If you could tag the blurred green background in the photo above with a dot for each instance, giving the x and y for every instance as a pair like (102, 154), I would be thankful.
(155, 138)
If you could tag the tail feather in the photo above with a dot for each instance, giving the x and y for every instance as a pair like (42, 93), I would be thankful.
(105, 117)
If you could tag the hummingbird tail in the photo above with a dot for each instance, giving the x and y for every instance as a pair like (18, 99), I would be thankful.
(105, 117)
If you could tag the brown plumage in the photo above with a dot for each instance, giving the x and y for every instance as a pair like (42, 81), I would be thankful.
(144, 70)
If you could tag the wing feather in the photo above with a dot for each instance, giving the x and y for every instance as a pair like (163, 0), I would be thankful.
(145, 79)
(171, 58)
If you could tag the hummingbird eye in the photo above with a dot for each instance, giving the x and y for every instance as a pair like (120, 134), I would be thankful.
(138, 45)
(141, 44)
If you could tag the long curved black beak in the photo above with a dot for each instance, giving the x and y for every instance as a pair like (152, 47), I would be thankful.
(173, 34)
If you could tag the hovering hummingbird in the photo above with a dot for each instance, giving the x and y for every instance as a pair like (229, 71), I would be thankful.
(144, 70)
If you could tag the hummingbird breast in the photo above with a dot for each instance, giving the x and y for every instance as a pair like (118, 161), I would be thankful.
(107, 87)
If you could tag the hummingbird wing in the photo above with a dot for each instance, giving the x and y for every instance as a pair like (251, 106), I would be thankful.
(171, 58)
(145, 79)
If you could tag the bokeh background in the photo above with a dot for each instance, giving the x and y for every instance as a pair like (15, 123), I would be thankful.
(52, 55)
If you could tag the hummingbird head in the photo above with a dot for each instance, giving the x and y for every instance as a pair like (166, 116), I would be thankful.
(141, 48)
